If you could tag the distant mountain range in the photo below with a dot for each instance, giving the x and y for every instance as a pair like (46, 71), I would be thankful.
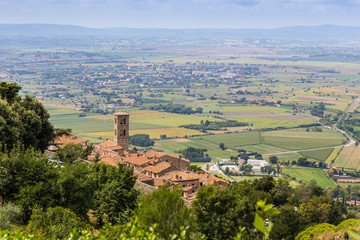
(296, 32)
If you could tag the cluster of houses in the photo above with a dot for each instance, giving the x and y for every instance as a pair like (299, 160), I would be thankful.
(152, 168)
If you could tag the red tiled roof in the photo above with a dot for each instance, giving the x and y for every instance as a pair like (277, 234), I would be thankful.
(137, 159)
(107, 143)
(116, 148)
(178, 176)
(154, 154)
(159, 181)
(158, 167)
(64, 139)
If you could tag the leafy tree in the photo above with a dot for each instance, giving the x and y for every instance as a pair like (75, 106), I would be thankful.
(191, 152)
(27, 178)
(10, 214)
(273, 159)
(227, 170)
(287, 224)
(246, 168)
(220, 211)
(164, 207)
(281, 192)
(76, 188)
(8, 91)
(25, 121)
(62, 131)
(114, 191)
(265, 184)
(222, 146)
(69, 153)
(142, 140)
(54, 223)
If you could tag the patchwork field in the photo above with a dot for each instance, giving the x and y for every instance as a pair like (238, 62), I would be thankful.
(304, 174)
(349, 157)
(97, 127)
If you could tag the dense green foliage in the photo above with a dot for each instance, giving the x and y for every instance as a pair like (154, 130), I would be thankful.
(24, 121)
(142, 140)
(28, 179)
(54, 223)
(10, 214)
(166, 208)
(195, 154)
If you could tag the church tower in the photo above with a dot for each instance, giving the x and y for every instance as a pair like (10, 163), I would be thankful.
(121, 129)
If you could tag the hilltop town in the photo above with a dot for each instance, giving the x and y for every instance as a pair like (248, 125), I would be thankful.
(152, 169)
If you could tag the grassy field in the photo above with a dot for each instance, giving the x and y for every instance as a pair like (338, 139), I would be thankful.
(273, 122)
(172, 146)
(333, 155)
(232, 140)
(304, 174)
(349, 157)
(320, 155)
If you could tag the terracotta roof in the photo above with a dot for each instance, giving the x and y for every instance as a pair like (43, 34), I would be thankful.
(154, 154)
(158, 167)
(64, 139)
(116, 148)
(179, 176)
(143, 177)
(107, 143)
(159, 181)
(111, 158)
(137, 159)
(186, 160)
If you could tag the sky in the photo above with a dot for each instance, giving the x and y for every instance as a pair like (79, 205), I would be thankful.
(182, 13)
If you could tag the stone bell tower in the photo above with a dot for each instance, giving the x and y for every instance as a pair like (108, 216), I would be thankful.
(121, 129)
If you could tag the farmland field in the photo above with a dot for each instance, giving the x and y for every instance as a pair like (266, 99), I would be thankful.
(320, 155)
(308, 174)
(349, 157)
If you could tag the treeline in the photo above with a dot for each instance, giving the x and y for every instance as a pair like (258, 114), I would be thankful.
(141, 140)
(318, 110)
(195, 154)
(208, 125)
(175, 108)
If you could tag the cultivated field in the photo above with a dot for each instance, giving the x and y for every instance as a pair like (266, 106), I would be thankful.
(349, 157)
(304, 174)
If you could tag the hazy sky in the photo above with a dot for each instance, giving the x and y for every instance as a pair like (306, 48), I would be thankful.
(182, 13)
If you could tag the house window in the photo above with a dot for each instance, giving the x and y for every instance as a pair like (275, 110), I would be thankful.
(115, 131)
(115, 120)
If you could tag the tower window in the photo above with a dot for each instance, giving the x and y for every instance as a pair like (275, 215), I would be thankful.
(124, 132)
(124, 120)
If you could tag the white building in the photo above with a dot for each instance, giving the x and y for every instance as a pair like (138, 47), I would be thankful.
(261, 163)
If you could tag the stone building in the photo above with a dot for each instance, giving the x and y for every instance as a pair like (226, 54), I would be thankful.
(121, 129)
